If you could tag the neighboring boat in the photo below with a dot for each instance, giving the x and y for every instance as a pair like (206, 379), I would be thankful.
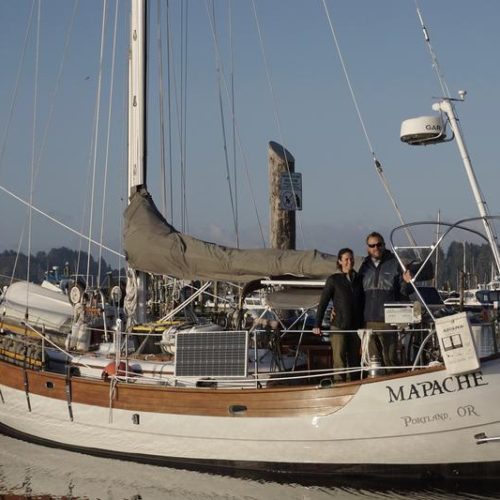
(48, 310)
(209, 405)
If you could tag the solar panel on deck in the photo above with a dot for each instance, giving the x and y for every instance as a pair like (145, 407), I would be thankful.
(211, 354)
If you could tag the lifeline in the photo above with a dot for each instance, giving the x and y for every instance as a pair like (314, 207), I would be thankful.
(433, 387)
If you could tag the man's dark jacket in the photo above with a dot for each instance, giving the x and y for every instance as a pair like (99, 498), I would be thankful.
(347, 296)
(382, 284)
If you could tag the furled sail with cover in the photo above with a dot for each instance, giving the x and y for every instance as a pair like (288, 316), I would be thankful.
(153, 245)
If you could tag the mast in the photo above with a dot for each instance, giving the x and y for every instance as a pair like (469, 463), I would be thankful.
(446, 106)
(137, 69)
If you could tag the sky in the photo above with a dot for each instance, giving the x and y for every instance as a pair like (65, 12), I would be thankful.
(302, 102)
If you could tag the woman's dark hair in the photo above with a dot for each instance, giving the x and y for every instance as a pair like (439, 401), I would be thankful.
(342, 251)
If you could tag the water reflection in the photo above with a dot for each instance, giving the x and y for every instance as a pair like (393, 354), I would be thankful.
(33, 471)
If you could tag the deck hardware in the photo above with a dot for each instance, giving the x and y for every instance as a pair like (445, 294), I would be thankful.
(325, 383)
(25, 377)
(136, 419)
(49, 384)
(211, 384)
(237, 410)
(482, 438)
(69, 392)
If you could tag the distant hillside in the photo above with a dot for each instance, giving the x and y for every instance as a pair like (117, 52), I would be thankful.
(43, 262)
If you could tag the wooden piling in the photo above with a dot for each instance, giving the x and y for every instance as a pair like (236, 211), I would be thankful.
(282, 222)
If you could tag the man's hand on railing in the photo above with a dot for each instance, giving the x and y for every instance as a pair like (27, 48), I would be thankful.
(316, 330)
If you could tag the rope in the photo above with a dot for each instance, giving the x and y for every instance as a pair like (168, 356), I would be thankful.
(108, 134)
(130, 301)
(112, 394)
(276, 114)
(96, 132)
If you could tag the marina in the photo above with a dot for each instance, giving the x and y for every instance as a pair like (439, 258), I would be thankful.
(213, 359)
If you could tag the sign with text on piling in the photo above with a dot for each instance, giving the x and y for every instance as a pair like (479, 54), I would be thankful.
(457, 345)
(291, 191)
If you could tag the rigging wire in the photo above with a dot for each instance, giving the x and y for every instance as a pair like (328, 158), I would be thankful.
(233, 113)
(435, 63)
(108, 135)
(96, 130)
(276, 114)
(9, 122)
(56, 221)
(123, 173)
(85, 201)
(183, 70)
(33, 150)
(223, 123)
(57, 84)
(184, 192)
(16, 85)
(18, 253)
(377, 163)
(51, 107)
(490, 229)
(239, 141)
(159, 39)
(178, 113)
(169, 105)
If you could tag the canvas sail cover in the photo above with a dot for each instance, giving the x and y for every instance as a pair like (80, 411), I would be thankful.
(153, 245)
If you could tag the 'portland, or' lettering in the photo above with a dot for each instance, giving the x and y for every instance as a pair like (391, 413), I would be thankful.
(429, 388)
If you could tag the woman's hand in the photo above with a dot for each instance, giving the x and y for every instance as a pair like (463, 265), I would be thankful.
(316, 330)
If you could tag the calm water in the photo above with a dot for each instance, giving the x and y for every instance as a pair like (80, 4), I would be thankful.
(28, 470)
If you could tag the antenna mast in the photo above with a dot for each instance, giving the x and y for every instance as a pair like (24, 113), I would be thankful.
(446, 106)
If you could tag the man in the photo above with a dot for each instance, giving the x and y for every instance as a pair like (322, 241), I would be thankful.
(383, 282)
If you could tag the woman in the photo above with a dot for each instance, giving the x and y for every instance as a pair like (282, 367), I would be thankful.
(345, 290)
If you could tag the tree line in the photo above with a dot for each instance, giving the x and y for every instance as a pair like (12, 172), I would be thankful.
(15, 266)
(478, 265)
(465, 264)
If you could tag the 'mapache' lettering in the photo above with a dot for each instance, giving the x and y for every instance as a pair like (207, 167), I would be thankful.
(433, 387)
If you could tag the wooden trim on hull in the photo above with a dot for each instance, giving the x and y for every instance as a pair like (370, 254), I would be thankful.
(266, 402)
(241, 403)
(302, 473)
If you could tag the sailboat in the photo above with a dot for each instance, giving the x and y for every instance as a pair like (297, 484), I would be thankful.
(438, 419)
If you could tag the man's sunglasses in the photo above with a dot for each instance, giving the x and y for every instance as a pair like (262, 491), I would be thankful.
(378, 245)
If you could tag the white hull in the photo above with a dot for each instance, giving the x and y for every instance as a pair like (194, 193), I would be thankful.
(412, 426)
(47, 308)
